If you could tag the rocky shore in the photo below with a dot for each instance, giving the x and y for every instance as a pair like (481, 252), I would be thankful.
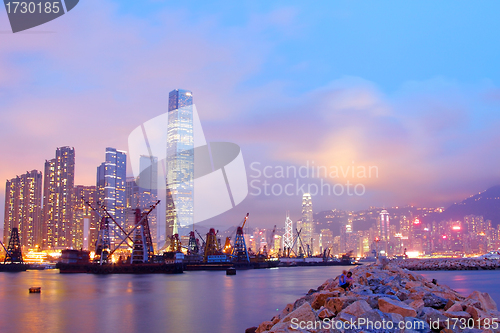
(385, 298)
(447, 264)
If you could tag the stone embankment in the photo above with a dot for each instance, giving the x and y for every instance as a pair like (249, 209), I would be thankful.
(447, 264)
(385, 299)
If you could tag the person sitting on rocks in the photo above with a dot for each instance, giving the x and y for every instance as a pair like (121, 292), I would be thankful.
(350, 281)
(343, 280)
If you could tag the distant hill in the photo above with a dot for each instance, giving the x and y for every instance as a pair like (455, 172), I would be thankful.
(486, 203)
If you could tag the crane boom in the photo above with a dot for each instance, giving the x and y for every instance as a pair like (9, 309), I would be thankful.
(245, 221)
(201, 237)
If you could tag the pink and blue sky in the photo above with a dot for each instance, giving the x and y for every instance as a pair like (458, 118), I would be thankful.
(411, 87)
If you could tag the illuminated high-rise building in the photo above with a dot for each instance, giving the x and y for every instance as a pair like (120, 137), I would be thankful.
(111, 187)
(326, 239)
(288, 236)
(306, 223)
(58, 196)
(383, 226)
(23, 208)
(180, 161)
(86, 222)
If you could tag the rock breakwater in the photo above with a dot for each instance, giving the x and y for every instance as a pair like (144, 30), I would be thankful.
(447, 264)
(385, 299)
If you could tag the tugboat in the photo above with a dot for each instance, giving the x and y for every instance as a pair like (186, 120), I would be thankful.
(13, 257)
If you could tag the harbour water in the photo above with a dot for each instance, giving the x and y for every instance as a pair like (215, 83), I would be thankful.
(465, 282)
(190, 302)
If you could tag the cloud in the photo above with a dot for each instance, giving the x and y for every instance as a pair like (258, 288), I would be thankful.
(102, 73)
(430, 148)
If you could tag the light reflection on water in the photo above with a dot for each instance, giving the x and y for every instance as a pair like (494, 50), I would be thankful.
(190, 302)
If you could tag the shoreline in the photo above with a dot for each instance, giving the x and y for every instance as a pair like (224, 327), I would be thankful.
(385, 298)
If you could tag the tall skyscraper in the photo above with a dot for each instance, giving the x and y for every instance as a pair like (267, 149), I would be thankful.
(306, 224)
(180, 161)
(58, 196)
(288, 236)
(23, 208)
(86, 222)
(383, 226)
(111, 187)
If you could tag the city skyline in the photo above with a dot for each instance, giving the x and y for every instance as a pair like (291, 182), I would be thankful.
(25, 200)
(423, 110)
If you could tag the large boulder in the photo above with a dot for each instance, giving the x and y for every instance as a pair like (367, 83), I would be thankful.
(302, 313)
(477, 314)
(357, 308)
(431, 300)
(344, 316)
(417, 304)
(412, 284)
(319, 299)
(487, 303)
(457, 314)
(448, 294)
(456, 306)
(373, 315)
(305, 299)
(392, 306)
(433, 315)
(402, 294)
(364, 290)
(264, 326)
(337, 304)
(325, 313)
(372, 300)
(281, 328)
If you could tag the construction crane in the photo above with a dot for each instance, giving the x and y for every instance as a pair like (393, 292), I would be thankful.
(142, 250)
(143, 226)
(227, 246)
(240, 253)
(211, 245)
(288, 250)
(102, 245)
(13, 253)
(193, 247)
(201, 237)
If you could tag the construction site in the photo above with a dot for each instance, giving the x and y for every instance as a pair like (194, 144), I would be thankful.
(133, 251)
(135, 254)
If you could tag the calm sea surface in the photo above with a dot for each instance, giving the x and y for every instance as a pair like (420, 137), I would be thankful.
(465, 282)
(190, 302)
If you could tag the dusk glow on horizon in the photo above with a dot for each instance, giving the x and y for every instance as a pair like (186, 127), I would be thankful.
(338, 84)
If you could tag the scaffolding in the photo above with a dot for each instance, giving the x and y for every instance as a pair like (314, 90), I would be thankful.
(13, 253)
